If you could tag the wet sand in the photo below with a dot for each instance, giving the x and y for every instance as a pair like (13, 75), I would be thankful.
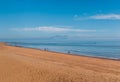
(19, 64)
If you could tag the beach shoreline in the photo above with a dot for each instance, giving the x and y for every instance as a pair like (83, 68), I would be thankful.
(20, 64)
(83, 55)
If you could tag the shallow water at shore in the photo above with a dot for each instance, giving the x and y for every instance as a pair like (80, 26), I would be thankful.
(106, 49)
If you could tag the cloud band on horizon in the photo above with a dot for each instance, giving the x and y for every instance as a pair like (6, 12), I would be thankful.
(52, 29)
(99, 17)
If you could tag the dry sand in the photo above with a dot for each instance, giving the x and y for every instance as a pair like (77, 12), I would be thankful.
(31, 65)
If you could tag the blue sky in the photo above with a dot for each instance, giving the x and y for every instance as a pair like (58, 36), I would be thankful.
(67, 19)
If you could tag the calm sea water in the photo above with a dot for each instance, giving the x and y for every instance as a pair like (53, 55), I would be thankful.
(106, 49)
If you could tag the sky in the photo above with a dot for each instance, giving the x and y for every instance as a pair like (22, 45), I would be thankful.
(60, 19)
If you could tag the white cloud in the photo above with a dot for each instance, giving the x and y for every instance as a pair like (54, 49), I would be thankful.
(99, 17)
(106, 16)
(52, 29)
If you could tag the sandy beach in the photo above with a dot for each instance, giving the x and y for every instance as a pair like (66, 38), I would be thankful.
(19, 64)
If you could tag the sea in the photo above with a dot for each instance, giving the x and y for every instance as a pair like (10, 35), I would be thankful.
(95, 48)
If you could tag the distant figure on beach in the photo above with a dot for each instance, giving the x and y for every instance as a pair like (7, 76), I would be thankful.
(68, 52)
(45, 49)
